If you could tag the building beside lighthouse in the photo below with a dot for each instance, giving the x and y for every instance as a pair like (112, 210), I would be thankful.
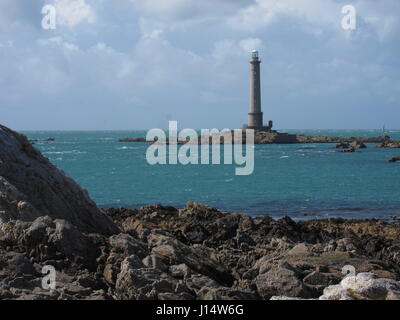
(255, 115)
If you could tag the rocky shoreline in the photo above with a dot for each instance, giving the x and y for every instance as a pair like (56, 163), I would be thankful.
(274, 137)
(198, 252)
(159, 252)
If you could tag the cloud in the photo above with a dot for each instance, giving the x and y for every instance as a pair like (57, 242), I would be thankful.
(169, 9)
(250, 44)
(381, 16)
(20, 16)
(184, 10)
(264, 12)
(143, 59)
(74, 12)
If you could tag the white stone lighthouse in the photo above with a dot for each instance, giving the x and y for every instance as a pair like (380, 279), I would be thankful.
(255, 115)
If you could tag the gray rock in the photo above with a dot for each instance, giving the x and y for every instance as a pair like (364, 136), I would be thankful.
(76, 246)
(143, 283)
(180, 271)
(172, 251)
(283, 280)
(125, 244)
(345, 245)
(30, 187)
(300, 249)
(286, 298)
(363, 286)
(122, 246)
(224, 293)
(38, 230)
(174, 296)
(88, 280)
(18, 263)
(197, 282)
(155, 262)
(342, 145)
(321, 279)
(358, 145)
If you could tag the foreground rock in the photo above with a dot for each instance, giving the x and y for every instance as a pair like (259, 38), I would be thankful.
(364, 286)
(30, 187)
(283, 280)
(196, 252)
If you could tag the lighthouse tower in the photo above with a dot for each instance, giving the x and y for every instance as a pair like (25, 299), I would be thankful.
(255, 115)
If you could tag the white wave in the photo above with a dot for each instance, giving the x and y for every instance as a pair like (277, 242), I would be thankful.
(65, 152)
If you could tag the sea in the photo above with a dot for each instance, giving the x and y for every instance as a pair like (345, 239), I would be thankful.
(302, 181)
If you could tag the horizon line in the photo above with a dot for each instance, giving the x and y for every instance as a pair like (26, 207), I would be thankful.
(197, 129)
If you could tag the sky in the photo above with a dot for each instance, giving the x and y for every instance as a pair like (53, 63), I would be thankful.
(135, 64)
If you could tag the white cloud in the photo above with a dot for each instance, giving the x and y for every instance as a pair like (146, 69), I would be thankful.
(264, 12)
(187, 56)
(57, 42)
(327, 14)
(151, 29)
(73, 12)
(250, 44)
(168, 9)
(225, 50)
(385, 25)
(181, 10)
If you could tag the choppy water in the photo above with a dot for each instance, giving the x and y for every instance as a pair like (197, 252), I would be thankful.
(302, 181)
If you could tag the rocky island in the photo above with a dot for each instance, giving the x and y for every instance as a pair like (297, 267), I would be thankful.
(159, 252)
(275, 137)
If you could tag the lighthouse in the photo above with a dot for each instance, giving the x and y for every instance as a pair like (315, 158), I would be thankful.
(255, 115)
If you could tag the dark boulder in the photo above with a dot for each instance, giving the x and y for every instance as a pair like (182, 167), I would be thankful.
(342, 145)
(358, 145)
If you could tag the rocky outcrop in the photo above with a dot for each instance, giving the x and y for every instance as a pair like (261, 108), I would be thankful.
(341, 140)
(363, 286)
(283, 280)
(389, 144)
(358, 145)
(160, 252)
(347, 147)
(30, 187)
(275, 137)
(342, 145)
(196, 252)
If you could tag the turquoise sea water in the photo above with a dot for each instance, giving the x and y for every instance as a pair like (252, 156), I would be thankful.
(301, 181)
